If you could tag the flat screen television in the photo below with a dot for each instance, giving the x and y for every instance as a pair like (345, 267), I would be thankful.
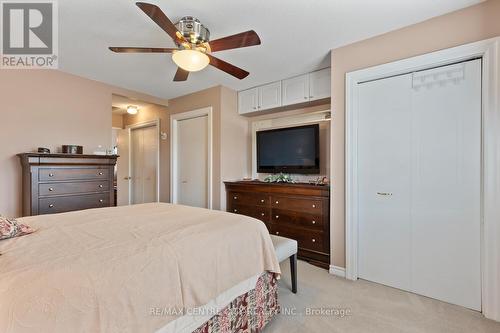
(289, 150)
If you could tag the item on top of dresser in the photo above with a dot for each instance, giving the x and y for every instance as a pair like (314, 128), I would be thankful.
(10, 228)
(279, 178)
(320, 181)
(72, 149)
(43, 150)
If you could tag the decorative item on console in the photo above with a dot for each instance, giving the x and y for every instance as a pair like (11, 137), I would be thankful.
(279, 178)
(320, 181)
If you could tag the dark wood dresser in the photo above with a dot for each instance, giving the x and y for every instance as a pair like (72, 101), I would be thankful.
(297, 211)
(56, 183)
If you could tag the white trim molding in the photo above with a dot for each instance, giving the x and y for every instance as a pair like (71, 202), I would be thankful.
(337, 271)
(174, 119)
(489, 52)
(129, 128)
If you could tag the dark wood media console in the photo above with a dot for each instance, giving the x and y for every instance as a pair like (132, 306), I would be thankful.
(297, 211)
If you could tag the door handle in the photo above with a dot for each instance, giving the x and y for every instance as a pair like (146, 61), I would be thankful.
(184, 181)
(384, 193)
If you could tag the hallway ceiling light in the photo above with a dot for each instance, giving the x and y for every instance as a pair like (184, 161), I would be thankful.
(132, 109)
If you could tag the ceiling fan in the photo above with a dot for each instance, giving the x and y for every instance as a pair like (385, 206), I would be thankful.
(194, 48)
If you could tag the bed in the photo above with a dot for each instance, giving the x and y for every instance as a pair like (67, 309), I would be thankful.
(143, 268)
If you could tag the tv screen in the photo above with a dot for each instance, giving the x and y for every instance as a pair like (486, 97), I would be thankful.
(289, 150)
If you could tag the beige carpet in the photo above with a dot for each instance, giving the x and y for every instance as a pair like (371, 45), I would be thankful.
(371, 307)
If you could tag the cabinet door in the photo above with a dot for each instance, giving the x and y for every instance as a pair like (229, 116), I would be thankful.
(296, 90)
(270, 96)
(319, 84)
(247, 100)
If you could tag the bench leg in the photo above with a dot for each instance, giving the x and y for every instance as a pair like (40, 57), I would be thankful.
(293, 269)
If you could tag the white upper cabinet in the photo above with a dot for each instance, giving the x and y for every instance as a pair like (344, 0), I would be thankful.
(295, 90)
(320, 84)
(270, 96)
(248, 100)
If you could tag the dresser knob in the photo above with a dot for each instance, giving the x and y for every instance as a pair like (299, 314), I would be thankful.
(100, 173)
(314, 206)
(313, 240)
(305, 97)
(101, 200)
(235, 210)
(51, 206)
(277, 232)
(262, 214)
(314, 222)
(262, 200)
(51, 189)
(277, 202)
(277, 217)
(51, 175)
(235, 198)
(100, 185)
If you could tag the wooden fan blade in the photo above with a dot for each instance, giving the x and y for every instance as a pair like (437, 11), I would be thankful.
(141, 50)
(244, 39)
(227, 67)
(181, 75)
(157, 15)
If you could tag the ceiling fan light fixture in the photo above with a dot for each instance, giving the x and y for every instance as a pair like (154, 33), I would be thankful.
(132, 109)
(190, 60)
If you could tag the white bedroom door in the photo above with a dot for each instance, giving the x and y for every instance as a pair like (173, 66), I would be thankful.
(419, 178)
(192, 162)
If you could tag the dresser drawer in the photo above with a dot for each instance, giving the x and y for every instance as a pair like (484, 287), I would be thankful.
(71, 203)
(48, 189)
(306, 205)
(307, 239)
(261, 213)
(54, 174)
(251, 199)
(293, 218)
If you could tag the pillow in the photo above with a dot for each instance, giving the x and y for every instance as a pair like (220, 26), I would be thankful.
(10, 228)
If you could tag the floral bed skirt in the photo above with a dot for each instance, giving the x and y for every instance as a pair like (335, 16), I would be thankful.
(249, 312)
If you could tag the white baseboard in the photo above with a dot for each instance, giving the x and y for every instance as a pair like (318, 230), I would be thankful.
(337, 271)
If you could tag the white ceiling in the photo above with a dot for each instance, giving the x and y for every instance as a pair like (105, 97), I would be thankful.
(120, 103)
(296, 35)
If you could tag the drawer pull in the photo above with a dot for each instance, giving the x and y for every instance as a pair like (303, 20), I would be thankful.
(277, 202)
(314, 222)
(262, 200)
(100, 185)
(235, 210)
(51, 175)
(51, 206)
(277, 232)
(51, 189)
(313, 240)
(235, 198)
(277, 217)
(314, 206)
(101, 200)
(262, 214)
(100, 174)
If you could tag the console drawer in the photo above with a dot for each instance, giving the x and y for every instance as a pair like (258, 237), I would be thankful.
(306, 205)
(260, 213)
(55, 174)
(71, 203)
(49, 189)
(250, 199)
(307, 239)
(300, 219)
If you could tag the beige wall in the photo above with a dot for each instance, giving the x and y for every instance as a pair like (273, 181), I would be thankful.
(117, 120)
(465, 26)
(149, 113)
(44, 108)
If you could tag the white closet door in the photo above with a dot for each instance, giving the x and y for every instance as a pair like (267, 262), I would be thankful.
(384, 181)
(136, 150)
(150, 163)
(446, 184)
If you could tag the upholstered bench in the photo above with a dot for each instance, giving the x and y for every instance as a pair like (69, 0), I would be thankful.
(287, 248)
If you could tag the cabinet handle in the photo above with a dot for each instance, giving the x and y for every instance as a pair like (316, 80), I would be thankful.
(100, 185)
(262, 200)
(235, 198)
(277, 217)
(313, 240)
(314, 222)
(277, 202)
(100, 173)
(101, 200)
(51, 175)
(51, 206)
(314, 206)
(262, 214)
(277, 232)
(51, 189)
(384, 193)
(235, 210)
